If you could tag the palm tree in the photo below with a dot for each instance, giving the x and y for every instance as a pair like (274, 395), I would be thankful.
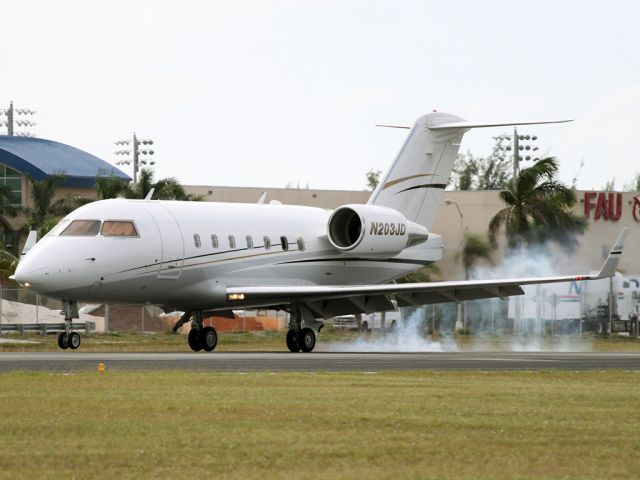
(475, 248)
(110, 187)
(8, 264)
(42, 195)
(165, 189)
(538, 208)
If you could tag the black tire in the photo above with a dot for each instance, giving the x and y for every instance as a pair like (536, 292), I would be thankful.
(208, 339)
(293, 341)
(364, 326)
(63, 340)
(307, 340)
(194, 340)
(73, 340)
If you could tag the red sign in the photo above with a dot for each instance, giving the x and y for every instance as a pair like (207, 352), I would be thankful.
(606, 205)
(636, 208)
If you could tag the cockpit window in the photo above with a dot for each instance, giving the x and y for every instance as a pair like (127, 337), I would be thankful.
(119, 228)
(55, 231)
(82, 227)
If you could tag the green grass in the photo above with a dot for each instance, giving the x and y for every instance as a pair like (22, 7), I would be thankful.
(274, 342)
(324, 425)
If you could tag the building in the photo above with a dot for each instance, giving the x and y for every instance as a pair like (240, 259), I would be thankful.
(607, 214)
(25, 158)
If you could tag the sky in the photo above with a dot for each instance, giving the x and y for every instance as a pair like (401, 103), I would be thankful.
(270, 93)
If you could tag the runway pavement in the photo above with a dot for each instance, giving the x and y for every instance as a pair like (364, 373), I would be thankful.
(319, 361)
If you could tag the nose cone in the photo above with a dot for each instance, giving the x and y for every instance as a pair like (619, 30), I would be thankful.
(29, 271)
(33, 271)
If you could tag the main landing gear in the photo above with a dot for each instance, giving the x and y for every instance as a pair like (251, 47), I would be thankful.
(201, 337)
(68, 338)
(299, 339)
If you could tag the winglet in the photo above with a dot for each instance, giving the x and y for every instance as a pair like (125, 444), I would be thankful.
(31, 241)
(611, 264)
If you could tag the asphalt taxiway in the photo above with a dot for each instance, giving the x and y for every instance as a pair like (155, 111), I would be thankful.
(318, 361)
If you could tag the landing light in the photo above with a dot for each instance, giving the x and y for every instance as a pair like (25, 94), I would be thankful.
(235, 296)
(27, 285)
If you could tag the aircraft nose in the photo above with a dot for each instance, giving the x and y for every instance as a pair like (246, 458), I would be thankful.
(29, 272)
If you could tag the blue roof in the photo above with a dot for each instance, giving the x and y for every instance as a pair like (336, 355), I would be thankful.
(40, 158)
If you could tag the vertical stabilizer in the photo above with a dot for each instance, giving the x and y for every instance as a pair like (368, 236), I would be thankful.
(417, 178)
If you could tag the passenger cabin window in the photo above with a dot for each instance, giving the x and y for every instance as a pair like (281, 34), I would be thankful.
(249, 241)
(196, 240)
(117, 228)
(214, 241)
(232, 241)
(82, 227)
(300, 242)
(285, 243)
(267, 243)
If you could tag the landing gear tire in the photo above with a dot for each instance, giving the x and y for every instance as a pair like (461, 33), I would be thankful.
(307, 340)
(293, 341)
(73, 339)
(194, 340)
(63, 340)
(208, 339)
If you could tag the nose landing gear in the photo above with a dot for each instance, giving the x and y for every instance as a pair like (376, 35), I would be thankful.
(69, 339)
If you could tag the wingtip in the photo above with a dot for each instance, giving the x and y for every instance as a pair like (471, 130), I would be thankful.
(611, 263)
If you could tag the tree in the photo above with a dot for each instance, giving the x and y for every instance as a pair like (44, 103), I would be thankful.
(428, 273)
(538, 208)
(165, 189)
(42, 195)
(7, 207)
(634, 184)
(110, 187)
(373, 177)
(476, 247)
(610, 185)
(482, 173)
(8, 264)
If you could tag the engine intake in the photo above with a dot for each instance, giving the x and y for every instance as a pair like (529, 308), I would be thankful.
(371, 230)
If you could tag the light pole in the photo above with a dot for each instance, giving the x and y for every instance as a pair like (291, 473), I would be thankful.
(523, 147)
(462, 318)
(143, 156)
(11, 121)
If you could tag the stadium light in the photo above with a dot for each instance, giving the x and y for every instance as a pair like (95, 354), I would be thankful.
(139, 156)
(11, 121)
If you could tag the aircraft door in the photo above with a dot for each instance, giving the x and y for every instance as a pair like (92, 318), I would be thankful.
(170, 239)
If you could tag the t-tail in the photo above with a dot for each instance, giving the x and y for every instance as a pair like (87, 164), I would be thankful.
(417, 178)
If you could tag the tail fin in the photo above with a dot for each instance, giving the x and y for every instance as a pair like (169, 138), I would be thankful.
(417, 178)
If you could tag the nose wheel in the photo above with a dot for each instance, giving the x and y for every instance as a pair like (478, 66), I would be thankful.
(69, 339)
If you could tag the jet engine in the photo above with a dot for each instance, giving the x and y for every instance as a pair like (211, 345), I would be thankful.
(370, 230)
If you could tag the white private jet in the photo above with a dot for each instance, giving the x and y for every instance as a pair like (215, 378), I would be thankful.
(202, 257)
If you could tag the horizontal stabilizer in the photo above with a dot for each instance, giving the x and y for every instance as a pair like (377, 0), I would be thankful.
(466, 125)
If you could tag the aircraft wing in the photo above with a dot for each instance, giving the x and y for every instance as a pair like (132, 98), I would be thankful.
(330, 300)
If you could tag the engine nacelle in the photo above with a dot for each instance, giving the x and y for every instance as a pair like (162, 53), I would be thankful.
(370, 230)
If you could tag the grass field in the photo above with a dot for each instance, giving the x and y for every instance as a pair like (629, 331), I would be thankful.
(274, 342)
(327, 425)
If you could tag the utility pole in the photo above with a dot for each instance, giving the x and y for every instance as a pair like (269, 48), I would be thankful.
(139, 157)
(11, 121)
